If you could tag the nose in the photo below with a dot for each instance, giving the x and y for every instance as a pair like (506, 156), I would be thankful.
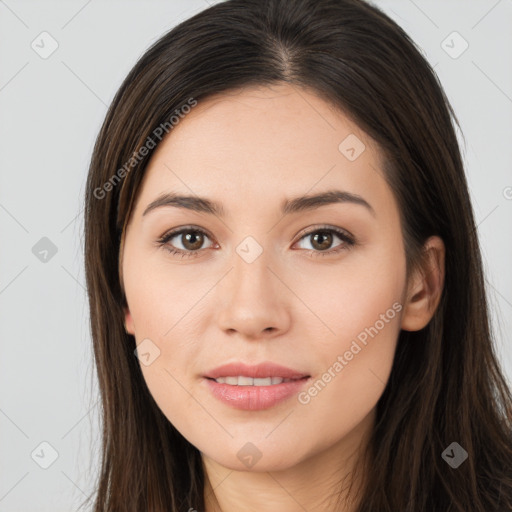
(253, 301)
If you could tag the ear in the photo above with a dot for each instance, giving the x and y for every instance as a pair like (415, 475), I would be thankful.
(425, 287)
(128, 322)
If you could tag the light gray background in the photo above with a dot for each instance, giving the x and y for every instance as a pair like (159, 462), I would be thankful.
(51, 110)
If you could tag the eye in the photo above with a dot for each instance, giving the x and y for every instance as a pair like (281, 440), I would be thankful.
(322, 238)
(190, 238)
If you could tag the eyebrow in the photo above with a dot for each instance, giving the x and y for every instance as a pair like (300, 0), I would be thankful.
(289, 206)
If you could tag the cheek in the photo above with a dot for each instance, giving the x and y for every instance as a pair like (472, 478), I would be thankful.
(163, 332)
(359, 305)
(158, 293)
(155, 311)
(354, 364)
(351, 296)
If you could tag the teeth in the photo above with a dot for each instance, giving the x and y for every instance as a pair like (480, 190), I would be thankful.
(249, 381)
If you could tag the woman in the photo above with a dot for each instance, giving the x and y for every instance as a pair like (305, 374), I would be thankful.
(285, 284)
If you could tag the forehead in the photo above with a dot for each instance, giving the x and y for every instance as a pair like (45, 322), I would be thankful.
(278, 122)
(262, 142)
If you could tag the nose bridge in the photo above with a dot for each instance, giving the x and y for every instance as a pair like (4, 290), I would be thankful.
(250, 299)
(251, 276)
(251, 279)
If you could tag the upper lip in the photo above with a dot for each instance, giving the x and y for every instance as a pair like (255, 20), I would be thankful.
(262, 370)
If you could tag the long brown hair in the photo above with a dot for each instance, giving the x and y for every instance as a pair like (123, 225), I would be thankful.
(446, 384)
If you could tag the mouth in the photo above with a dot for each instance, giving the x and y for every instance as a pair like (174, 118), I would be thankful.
(255, 396)
(243, 380)
(262, 374)
(254, 388)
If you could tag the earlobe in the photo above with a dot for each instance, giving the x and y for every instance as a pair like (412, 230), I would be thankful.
(128, 322)
(425, 287)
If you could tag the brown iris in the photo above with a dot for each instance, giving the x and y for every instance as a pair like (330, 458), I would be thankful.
(195, 240)
(323, 239)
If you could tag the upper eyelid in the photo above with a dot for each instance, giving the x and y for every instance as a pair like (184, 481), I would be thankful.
(325, 227)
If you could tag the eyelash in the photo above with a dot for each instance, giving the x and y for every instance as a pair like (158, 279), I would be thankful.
(348, 241)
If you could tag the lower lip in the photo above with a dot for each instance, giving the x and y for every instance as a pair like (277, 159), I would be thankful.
(255, 398)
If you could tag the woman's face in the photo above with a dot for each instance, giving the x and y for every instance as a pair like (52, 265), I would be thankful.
(261, 283)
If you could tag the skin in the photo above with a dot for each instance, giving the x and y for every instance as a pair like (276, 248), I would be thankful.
(250, 150)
